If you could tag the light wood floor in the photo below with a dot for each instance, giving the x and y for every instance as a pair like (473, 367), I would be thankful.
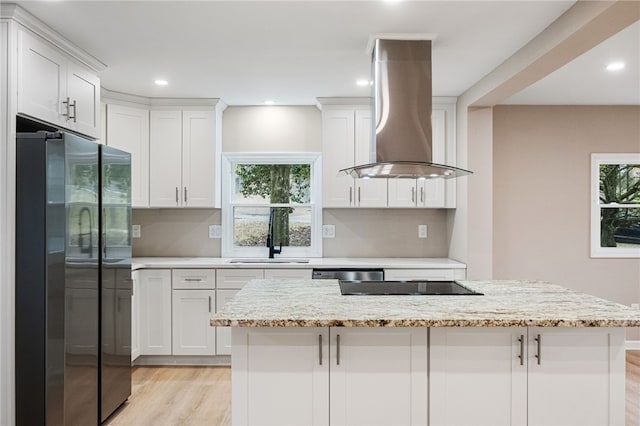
(197, 396)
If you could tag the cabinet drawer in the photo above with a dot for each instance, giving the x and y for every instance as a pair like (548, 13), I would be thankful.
(193, 279)
(420, 274)
(287, 274)
(237, 278)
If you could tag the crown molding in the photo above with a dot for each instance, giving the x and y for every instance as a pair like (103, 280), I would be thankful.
(109, 96)
(16, 13)
(356, 101)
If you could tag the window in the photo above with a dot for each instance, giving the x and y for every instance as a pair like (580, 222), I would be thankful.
(615, 205)
(271, 192)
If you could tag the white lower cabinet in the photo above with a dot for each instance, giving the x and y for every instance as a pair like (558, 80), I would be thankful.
(317, 376)
(223, 334)
(192, 334)
(579, 372)
(155, 311)
(475, 376)
(555, 376)
(378, 376)
(135, 315)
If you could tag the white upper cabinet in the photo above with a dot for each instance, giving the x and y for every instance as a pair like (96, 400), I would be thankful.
(54, 88)
(434, 193)
(185, 153)
(346, 141)
(165, 155)
(128, 130)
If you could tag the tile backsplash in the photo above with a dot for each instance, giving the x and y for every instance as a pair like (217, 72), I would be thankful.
(358, 233)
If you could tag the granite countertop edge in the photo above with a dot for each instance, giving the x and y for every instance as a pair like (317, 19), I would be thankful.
(507, 303)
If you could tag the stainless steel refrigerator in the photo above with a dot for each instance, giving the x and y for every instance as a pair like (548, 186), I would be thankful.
(73, 279)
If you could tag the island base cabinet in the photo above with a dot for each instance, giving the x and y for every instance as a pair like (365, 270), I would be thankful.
(518, 376)
(378, 376)
(280, 376)
(576, 376)
(476, 377)
(337, 376)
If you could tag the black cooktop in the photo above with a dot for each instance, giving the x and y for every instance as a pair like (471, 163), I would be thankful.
(405, 288)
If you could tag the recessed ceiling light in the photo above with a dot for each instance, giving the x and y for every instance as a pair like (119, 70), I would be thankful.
(269, 102)
(363, 82)
(615, 66)
(161, 82)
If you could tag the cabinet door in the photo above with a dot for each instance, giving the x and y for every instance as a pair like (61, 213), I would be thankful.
(135, 316)
(192, 333)
(236, 278)
(264, 392)
(83, 91)
(431, 192)
(165, 159)
(402, 193)
(42, 81)
(155, 312)
(287, 274)
(128, 130)
(477, 376)
(199, 158)
(338, 130)
(367, 192)
(378, 376)
(223, 334)
(576, 376)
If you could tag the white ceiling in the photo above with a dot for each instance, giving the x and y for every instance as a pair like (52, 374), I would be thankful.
(292, 52)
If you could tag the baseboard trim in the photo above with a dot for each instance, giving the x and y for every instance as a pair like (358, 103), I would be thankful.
(632, 345)
(184, 360)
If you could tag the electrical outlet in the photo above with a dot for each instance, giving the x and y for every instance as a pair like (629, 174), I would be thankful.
(328, 231)
(135, 231)
(422, 231)
(215, 231)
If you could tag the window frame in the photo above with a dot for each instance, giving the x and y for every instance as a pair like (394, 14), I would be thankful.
(598, 159)
(229, 160)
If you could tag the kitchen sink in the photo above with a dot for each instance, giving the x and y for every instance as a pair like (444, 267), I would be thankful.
(266, 261)
(405, 288)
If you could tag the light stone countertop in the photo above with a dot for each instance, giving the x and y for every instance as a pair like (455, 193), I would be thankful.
(321, 262)
(318, 303)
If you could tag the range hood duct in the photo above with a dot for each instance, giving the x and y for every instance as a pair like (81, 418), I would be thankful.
(401, 112)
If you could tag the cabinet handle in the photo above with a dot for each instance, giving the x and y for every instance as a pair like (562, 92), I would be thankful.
(422, 194)
(338, 349)
(66, 103)
(185, 194)
(538, 350)
(413, 195)
(350, 195)
(209, 304)
(177, 196)
(359, 195)
(193, 279)
(73, 105)
(521, 356)
(320, 348)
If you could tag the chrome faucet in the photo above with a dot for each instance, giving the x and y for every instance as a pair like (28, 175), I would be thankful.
(270, 239)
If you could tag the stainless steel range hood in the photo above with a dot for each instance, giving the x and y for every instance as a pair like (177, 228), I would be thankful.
(402, 139)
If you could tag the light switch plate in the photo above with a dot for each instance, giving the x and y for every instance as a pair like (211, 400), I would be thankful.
(135, 231)
(422, 231)
(215, 231)
(328, 231)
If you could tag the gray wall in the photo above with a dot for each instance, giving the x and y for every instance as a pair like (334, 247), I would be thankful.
(541, 198)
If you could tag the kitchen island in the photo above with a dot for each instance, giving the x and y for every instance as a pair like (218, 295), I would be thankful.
(524, 353)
